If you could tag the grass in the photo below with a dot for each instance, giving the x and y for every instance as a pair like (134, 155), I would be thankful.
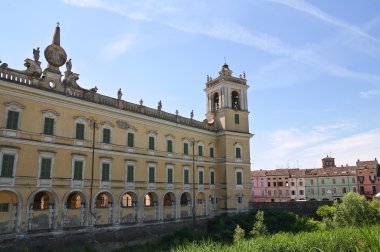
(336, 240)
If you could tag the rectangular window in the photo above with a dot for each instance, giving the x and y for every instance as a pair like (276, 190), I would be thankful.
(200, 150)
(131, 140)
(353, 180)
(78, 170)
(212, 178)
(300, 183)
(312, 191)
(268, 184)
(7, 165)
(45, 168)
(239, 180)
(186, 177)
(301, 192)
(12, 120)
(130, 173)
(344, 190)
(211, 152)
(200, 177)
(105, 172)
(343, 181)
(151, 175)
(151, 143)
(170, 145)
(311, 182)
(323, 191)
(79, 131)
(237, 119)
(238, 152)
(323, 181)
(170, 176)
(354, 189)
(334, 181)
(106, 136)
(4, 207)
(185, 148)
(49, 126)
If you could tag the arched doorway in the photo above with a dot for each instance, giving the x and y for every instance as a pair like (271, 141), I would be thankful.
(128, 208)
(74, 210)
(185, 202)
(235, 100)
(169, 204)
(10, 210)
(103, 210)
(150, 207)
(200, 206)
(42, 212)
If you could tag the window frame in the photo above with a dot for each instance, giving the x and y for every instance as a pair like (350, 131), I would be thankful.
(51, 114)
(13, 107)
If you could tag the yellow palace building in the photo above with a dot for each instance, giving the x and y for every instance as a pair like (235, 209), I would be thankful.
(73, 158)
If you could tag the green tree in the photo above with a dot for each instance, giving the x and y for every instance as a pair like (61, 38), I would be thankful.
(239, 234)
(355, 210)
(327, 214)
(259, 227)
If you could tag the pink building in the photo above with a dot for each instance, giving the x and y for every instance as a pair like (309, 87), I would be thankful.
(259, 186)
(368, 180)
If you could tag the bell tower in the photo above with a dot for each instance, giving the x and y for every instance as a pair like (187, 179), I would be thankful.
(227, 108)
(227, 103)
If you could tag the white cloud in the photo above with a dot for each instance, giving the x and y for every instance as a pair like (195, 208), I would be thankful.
(306, 7)
(305, 148)
(369, 93)
(117, 48)
(120, 9)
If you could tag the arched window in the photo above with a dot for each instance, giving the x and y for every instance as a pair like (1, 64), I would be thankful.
(167, 200)
(102, 200)
(215, 101)
(148, 200)
(126, 200)
(74, 201)
(235, 100)
(41, 201)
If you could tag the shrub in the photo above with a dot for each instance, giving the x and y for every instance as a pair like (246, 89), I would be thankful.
(239, 234)
(259, 227)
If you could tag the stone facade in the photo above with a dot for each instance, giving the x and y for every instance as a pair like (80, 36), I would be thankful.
(73, 158)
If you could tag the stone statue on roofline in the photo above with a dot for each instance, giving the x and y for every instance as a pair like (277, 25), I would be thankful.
(69, 65)
(36, 54)
(119, 94)
(159, 107)
(192, 114)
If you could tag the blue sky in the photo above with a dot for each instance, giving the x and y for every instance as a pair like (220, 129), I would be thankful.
(312, 66)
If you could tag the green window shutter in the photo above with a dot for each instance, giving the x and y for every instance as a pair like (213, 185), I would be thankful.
(200, 150)
(212, 178)
(130, 173)
(237, 152)
(238, 178)
(151, 143)
(79, 131)
(170, 146)
(7, 165)
(185, 148)
(78, 170)
(200, 179)
(131, 137)
(12, 120)
(211, 152)
(170, 176)
(237, 119)
(45, 168)
(106, 136)
(105, 172)
(151, 174)
(49, 126)
(186, 177)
